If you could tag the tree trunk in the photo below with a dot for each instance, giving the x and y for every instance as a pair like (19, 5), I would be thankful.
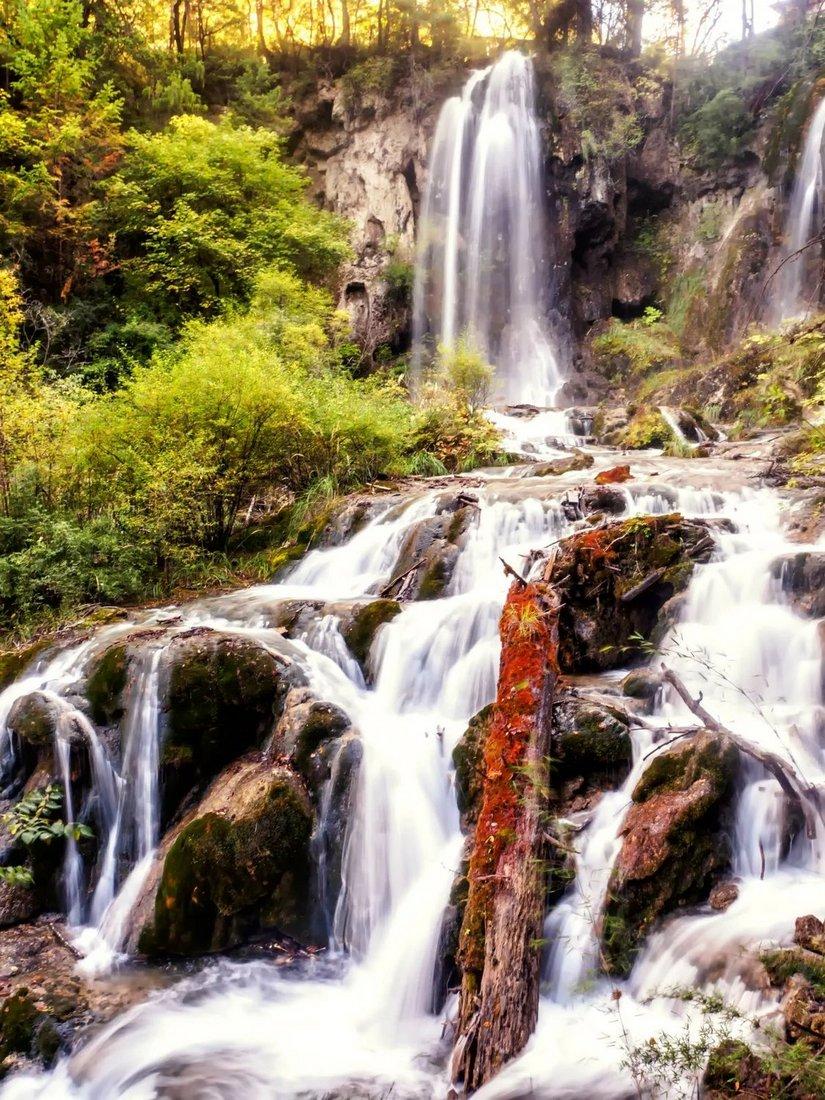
(259, 29)
(584, 20)
(176, 29)
(500, 952)
(634, 18)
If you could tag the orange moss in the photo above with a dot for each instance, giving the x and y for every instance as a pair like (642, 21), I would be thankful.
(528, 654)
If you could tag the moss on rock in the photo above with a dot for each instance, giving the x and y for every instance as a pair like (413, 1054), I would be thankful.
(228, 874)
(614, 581)
(360, 632)
(674, 846)
(106, 684)
(223, 696)
(468, 760)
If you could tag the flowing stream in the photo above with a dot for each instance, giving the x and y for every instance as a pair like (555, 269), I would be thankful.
(360, 1019)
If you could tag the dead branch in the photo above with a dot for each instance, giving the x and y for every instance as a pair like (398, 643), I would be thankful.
(511, 572)
(396, 581)
(805, 797)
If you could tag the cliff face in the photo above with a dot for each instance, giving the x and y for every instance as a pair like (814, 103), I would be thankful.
(631, 222)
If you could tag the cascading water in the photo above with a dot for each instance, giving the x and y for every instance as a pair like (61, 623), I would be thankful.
(796, 285)
(359, 1021)
(483, 266)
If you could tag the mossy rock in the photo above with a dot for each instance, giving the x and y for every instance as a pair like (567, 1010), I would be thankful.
(223, 697)
(33, 718)
(674, 847)
(106, 684)
(646, 429)
(14, 662)
(783, 963)
(589, 738)
(359, 633)
(468, 761)
(19, 1017)
(614, 582)
(229, 874)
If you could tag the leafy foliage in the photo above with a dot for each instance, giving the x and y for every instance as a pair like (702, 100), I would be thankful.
(33, 820)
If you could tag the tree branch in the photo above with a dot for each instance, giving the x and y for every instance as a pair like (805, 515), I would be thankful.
(804, 796)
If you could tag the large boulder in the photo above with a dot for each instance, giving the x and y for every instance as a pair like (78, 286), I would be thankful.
(674, 847)
(238, 865)
(614, 581)
(429, 552)
(223, 695)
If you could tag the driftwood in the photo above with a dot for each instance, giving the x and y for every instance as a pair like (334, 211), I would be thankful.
(499, 952)
(805, 797)
(397, 582)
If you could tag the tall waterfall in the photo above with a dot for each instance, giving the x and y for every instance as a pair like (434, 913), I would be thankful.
(797, 282)
(483, 264)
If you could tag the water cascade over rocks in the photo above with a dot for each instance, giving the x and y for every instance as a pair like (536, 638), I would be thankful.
(483, 265)
(369, 1016)
(795, 289)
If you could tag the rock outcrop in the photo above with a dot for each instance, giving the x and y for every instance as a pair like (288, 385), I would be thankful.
(674, 846)
(615, 580)
(239, 865)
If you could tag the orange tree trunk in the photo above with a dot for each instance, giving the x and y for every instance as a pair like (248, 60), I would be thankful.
(500, 943)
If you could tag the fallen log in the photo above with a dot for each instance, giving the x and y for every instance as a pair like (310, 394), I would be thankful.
(804, 796)
(499, 947)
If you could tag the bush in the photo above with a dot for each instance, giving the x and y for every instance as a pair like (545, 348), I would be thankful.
(634, 350)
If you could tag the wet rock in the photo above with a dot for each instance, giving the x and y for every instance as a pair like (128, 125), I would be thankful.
(723, 895)
(591, 749)
(468, 760)
(34, 719)
(809, 933)
(306, 724)
(428, 555)
(577, 460)
(614, 581)
(642, 683)
(601, 498)
(106, 685)
(360, 630)
(673, 842)
(343, 759)
(353, 515)
(223, 696)
(802, 577)
(239, 865)
(17, 904)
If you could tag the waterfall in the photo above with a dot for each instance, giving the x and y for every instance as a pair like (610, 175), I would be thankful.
(483, 265)
(796, 285)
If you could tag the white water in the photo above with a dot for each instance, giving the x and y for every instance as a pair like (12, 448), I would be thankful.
(759, 669)
(796, 287)
(483, 267)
